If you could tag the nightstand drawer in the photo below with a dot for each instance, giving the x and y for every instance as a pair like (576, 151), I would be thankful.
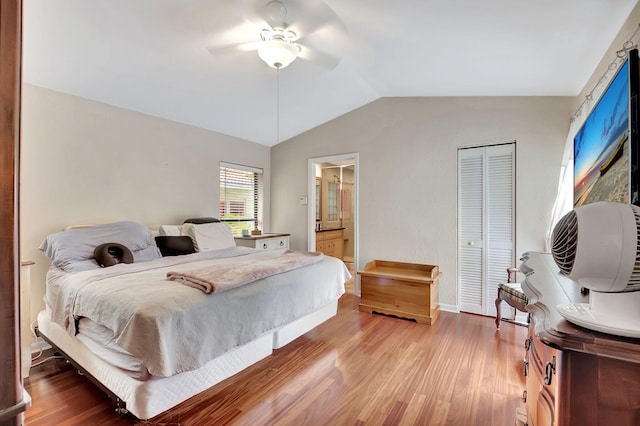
(273, 243)
(265, 241)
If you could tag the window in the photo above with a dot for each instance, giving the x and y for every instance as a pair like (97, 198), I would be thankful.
(318, 194)
(240, 197)
(332, 201)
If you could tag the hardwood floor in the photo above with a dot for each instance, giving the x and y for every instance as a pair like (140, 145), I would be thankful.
(355, 369)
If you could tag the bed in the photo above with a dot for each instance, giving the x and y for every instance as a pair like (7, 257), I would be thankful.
(125, 326)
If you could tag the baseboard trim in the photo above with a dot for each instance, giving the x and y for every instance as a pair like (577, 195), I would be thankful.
(449, 308)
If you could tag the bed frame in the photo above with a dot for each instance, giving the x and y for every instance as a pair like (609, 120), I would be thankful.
(146, 399)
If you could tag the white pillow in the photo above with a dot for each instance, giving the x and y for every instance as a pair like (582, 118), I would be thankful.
(170, 230)
(209, 236)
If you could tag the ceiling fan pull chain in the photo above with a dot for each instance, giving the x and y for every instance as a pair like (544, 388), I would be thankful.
(277, 105)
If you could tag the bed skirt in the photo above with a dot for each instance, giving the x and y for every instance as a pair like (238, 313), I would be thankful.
(146, 399)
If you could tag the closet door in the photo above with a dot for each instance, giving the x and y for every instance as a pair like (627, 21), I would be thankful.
(486, 243)
(470, 229)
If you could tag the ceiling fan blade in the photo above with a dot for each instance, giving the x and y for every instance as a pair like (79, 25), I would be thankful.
(222, 50)
(241, 37)
(320, 58)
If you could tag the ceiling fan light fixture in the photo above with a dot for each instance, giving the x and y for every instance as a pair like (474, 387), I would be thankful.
(278, 53)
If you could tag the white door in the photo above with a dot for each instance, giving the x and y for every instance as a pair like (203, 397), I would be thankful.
(486, 212)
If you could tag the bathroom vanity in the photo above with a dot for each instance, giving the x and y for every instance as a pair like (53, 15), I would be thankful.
(331, 242)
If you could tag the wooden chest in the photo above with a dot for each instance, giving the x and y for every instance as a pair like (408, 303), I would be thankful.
(406, 290)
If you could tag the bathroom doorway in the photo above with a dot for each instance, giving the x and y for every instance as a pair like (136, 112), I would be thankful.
(333, 210)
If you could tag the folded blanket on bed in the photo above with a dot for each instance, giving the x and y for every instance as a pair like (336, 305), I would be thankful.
(221, 277)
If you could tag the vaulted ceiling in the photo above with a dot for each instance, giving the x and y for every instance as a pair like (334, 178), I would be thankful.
(191, 60)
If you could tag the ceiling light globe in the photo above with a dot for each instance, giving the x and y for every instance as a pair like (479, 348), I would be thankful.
(277, 53)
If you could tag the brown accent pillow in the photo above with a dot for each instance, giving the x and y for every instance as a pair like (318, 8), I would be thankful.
(109, 254)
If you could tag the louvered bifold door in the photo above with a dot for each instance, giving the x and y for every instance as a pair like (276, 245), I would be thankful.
(486, 211)
(500, 205)
(470, 229)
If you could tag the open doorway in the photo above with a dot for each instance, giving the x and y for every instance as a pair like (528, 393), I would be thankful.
(333, 210)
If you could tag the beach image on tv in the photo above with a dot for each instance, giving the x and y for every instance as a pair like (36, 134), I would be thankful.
(601, 148)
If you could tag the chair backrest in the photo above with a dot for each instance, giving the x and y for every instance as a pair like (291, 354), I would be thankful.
(511, 274)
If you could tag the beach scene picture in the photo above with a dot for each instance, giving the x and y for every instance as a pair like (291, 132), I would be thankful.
(601, 147)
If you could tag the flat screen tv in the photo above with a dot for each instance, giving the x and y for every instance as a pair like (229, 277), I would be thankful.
(606, 148)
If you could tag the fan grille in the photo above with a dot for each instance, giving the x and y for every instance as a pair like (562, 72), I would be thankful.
(564, 241)
(634, 281)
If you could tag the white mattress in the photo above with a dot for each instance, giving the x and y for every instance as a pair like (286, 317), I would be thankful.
(146, 399)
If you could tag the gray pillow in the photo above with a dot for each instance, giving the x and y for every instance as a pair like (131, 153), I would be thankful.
(66, 248)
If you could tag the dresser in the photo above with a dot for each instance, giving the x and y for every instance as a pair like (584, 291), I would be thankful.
(574, 376)
(264, 241)
(331, 242)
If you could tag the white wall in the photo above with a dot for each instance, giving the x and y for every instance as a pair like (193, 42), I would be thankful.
(87, 162)
(408, 160)
(630, 26)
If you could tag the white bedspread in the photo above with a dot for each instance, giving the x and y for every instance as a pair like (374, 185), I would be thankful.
(174, 328)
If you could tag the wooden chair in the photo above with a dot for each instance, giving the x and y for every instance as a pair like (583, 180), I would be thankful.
(512, 293)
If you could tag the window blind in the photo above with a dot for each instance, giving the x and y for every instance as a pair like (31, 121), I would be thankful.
(240, 197)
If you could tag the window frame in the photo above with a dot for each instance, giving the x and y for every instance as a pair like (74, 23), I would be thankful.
(252, 217)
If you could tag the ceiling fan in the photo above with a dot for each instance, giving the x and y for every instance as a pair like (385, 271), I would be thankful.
(278, 47)
(281, 31)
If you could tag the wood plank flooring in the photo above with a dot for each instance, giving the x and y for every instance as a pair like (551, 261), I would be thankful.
(355, 369)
